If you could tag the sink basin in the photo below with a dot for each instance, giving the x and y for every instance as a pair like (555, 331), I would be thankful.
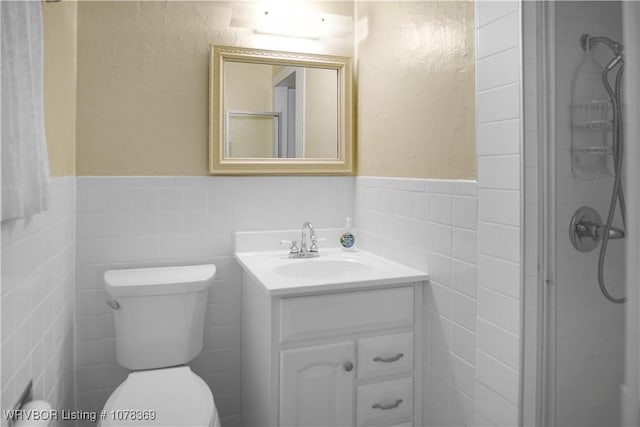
(266, 263)
(332, 270)
(323, 269)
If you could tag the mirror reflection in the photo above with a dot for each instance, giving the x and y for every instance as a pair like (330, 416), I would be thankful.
(280, 111)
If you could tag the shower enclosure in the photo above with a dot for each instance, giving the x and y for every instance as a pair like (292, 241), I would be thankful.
(575, 221)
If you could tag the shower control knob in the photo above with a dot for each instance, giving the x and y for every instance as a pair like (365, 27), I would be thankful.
(582, 221)
(348, 366)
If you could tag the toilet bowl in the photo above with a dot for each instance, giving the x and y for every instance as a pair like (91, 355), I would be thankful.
(159, 326)
(162, 397)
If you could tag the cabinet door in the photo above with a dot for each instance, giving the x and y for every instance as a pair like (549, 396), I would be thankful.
(316, 386)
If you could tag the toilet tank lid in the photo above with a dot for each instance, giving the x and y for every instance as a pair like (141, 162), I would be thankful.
(159, 280)
(172, 396)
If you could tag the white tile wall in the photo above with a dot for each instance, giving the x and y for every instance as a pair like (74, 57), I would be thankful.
(144, 221)
(501, 103)
(38, 283)
(492, 10)
(499, 207)
(499, 377)
(498, 138)
(499, 172)
(499, 343)
(499, 34)
(499, 241)
(499, 69)
(431, 225)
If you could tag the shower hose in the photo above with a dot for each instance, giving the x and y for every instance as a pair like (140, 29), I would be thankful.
(617, 195)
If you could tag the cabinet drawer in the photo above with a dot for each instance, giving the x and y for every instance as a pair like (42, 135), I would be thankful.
(385, 403)
(385, 355)
(344, 313)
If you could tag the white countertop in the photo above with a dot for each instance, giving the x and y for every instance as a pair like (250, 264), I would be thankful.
(335, 269)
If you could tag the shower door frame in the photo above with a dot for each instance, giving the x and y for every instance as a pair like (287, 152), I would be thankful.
(630, 390)
(545, 304)
(547, 174)
(539, 409)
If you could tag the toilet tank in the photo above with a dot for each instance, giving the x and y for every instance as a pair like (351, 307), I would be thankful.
(159, 313)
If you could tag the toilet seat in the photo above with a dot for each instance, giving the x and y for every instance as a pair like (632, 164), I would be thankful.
(177, 395)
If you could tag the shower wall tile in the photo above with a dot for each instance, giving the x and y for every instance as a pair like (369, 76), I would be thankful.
(499, 309)
(499, 343)
(497, 376)
(481, 421)
(499, 172)
(500, 34)
(492, 10)
(494, 408)
(498, 70)
(499, 207)
(500, 241)
(443, 241)
(498, 138)
(126, 222)
(506, 282)
(497, 104)
(37, 301)
(499, 265)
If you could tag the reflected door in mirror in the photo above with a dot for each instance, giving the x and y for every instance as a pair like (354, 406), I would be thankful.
(280, 111)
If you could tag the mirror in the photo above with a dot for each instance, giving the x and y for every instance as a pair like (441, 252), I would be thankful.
(275, 112)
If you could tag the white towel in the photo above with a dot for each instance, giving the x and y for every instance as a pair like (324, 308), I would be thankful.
(25, 163)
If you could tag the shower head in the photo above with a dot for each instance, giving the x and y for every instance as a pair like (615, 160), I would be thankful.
(587, 42)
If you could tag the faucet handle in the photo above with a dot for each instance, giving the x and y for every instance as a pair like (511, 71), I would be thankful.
(293, 249)
(314, 243)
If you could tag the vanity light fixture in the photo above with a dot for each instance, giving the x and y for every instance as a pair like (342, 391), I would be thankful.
(287, 24)
(285, 19)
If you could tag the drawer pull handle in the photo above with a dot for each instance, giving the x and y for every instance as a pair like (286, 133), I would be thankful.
(393, 405)
(389, 359)
(113, 304)
(348, 366)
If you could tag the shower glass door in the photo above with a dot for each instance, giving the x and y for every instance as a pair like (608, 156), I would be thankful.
(574, 335)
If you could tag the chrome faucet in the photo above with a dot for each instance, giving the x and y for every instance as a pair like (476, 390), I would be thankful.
(312, 237)
(304, 251)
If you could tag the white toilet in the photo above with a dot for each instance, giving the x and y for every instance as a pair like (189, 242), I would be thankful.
(159, 326)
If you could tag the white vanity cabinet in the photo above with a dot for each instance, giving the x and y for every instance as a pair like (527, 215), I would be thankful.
(348, 357)
(316, 385)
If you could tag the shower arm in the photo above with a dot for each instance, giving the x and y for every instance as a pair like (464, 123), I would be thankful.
(588, 41)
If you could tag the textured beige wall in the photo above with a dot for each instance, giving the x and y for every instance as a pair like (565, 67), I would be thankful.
(143, 81)
(60, 24)
(143, 85)
(321, 114)
(416, 102)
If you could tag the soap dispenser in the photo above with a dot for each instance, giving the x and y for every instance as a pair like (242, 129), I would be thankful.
(347, 239)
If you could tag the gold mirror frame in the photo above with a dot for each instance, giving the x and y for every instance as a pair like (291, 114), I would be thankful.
(219, 165)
